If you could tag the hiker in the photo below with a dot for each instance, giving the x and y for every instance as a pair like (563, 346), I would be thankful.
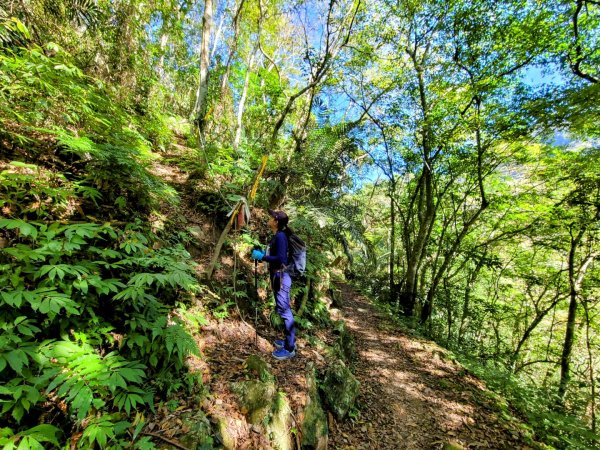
(281, 282)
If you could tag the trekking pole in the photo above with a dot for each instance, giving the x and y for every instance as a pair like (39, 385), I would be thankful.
(256, 304)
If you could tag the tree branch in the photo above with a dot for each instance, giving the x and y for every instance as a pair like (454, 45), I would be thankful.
(579, 57)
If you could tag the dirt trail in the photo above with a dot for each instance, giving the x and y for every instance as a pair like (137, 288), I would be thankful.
(412, 396)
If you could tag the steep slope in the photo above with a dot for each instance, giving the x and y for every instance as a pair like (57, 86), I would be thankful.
(413, 395)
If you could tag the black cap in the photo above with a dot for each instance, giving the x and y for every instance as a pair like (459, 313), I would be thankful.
(279, 216)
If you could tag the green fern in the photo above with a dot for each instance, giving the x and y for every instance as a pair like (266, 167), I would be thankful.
(178, 339)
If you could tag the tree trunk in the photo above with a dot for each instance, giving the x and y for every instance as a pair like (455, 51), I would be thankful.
(449, 256)
(467, 299)
(164, 39)
(242, 105)
(232, 47)
(425, 216)
(424, 193)
(393, 293)
(591, 364)
(199, 113)
(532, 326)
(565, 360)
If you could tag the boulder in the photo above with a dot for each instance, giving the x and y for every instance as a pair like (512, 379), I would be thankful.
(315, 433)
(259, 367)
(256, 398)
(225, 436)
(279, 424)
(344, 345)
(264, 406)
(340, 388)
(337, 300)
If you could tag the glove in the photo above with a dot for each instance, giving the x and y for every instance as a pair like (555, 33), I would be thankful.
(257, 255)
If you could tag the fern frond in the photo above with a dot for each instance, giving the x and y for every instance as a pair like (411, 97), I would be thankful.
(177, 338)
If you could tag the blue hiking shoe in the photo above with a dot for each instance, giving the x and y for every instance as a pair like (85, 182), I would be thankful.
(279, 343)
(282, 353)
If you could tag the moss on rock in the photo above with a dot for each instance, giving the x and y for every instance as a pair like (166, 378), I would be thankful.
(264, 405)
(268, 408)
(279, 423)
(344, 345)
(226, 438)
(259, 367)
(256, 398)
(315, 433)
(340, 388)
(198, 430)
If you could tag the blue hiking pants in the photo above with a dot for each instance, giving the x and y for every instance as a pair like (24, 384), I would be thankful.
(282, 286)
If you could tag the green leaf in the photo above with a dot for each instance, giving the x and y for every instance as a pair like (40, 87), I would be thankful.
(30, 443)
(16, 359)
(43, 433)
(12, 298)
(132, 375)
(82, 285)
(116, 380)
(22, 28)
(60, 378)
(25, 228)
(83, 402)
(18, 412)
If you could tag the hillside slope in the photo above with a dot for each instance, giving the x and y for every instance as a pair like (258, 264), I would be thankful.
(413, 395)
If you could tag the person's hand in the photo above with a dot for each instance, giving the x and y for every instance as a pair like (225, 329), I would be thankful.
(257, 255)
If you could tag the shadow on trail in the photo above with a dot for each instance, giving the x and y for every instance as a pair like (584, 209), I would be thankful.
(411, 398)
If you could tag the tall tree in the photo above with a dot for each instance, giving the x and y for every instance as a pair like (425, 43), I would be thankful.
(200, 107)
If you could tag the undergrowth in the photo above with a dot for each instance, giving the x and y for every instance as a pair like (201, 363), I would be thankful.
(94, 322)
(536, 406)
(544, 421)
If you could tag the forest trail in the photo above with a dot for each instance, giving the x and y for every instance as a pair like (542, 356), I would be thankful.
(412, 395)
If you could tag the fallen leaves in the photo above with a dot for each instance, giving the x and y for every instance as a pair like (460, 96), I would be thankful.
(415, 398)
(411, 396)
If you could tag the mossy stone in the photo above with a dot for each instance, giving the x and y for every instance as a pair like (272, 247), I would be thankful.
(227, 440)
(344, 344)
(199, 431)
(340, 388)
(315, 432)
(337, 300)
(256, 398)
(453, 446)
(264, 405)
(279, 424)
(259, 367)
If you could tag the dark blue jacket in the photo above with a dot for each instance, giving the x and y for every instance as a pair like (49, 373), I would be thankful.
(278, 252)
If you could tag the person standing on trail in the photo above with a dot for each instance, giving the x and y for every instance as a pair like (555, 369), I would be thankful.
(281, 282)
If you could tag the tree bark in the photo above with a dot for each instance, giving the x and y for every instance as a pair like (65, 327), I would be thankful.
(532, 326)
(565, 359)
(242, 105)
(449, 256)
(393, 293)
(199, 113)
(232, 47)
(467, 298)
(591, 365)
(424, 194)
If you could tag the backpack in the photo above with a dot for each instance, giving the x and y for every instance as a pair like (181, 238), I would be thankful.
(296, 256)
